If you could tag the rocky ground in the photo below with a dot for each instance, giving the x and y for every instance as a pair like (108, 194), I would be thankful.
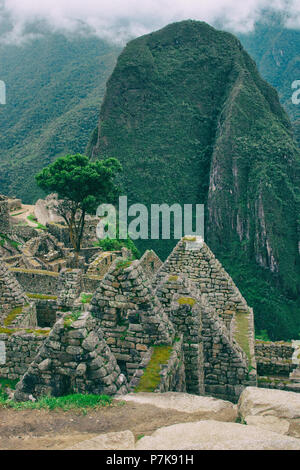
(263, 419)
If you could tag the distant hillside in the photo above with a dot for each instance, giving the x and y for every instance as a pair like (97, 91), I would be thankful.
(276, 50)
(192, 121)
(55, 87)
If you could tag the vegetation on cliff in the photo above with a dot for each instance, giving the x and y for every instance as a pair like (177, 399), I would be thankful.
(191, 120)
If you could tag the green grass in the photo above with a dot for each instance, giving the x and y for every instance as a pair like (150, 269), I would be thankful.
(4, 238)
(151, 378)
(69, 319)
(12, 315)
(19, 213)
(65, 403)
(11, 331)
(41, 296)
(34, 220)
(34, 271)
(86, 298)
(242, 333)
(124, 264)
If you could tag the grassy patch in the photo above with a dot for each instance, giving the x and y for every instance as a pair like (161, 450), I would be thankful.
(242, 333)
(34, 271)
(86, 298)
(11, 331)
(4, 238)
(19, 213)
(69, 319)
(68, 402)
(34, 220)
(12, 315)
(38, 332)
(151, 378)
(124, 264)
(41, 296)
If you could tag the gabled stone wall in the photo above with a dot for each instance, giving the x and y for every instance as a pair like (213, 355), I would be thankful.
(74, 358)
(130, 315)
(11, 293)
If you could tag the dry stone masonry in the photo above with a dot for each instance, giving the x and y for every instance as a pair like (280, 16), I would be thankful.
(114, 324)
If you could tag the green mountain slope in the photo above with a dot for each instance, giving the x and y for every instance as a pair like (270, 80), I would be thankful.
(276, 50)
(55, 87)
(192, 121)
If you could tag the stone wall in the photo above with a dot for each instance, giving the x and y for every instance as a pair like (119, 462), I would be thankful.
(193, 258)
(24, 232)
(20, 349)
(11, 293)
(4, 215)
(131, 317)
(37, 281)
(73, 359)
(226, 367)
(61, 232)
(69, 287)
(150, 263)
(100, 265)
(172, 373)
(180, 300)
(274, 358)
(14, 204)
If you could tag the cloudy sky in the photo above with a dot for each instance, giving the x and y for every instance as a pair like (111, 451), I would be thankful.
(119, 20)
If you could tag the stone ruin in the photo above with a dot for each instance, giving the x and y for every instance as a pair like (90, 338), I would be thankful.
(114, 325)
(187, 313)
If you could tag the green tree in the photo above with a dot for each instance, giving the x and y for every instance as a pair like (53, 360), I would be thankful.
(81, 185)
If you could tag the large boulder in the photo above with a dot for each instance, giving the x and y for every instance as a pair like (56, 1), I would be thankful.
(263, 401)
(271, 409)
(216, 435)
(204, 407)
(123, 440)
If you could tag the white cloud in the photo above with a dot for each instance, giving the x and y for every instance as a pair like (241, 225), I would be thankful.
(120, 20)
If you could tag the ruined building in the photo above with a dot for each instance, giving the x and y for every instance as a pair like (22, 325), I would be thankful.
(117, 325)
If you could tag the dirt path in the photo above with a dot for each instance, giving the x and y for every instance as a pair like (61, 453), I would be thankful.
(54, 430)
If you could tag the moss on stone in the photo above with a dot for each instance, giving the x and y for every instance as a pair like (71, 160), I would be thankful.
(189, 239)
(7, 331)
(124, 264)
(172, 278)
(241, 333)
(41, 296)
(186, 301)
(151, 377)
(12, 315)
(34, 271)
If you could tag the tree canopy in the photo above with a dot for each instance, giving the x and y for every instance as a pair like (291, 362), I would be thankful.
(81, 186)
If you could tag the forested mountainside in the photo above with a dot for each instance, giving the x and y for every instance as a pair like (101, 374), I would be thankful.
(192, 121)
(276, 50)
(55, 87)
